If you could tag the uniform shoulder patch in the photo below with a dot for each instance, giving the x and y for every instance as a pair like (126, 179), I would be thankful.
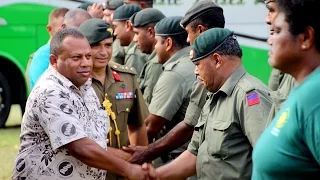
(252, 98)
(122, 68)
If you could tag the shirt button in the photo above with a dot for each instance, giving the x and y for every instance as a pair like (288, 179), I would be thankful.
(127, 110)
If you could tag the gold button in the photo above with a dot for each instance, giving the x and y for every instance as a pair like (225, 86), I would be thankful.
(127, 110)
(127, 68)
(115, 66)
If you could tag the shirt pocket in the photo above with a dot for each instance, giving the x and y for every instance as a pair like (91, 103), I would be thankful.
(217, 134)
(122, 114)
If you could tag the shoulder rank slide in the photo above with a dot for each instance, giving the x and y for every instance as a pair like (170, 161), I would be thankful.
(253, 98)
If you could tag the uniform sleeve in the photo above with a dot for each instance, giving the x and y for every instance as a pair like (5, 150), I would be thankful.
(150, 81)
(194, 144)
(197, 101)
(59, 117)
(253, 115)
(39, 64)
(139, 111)
(168, 95)
(274, 81)
(311, 131)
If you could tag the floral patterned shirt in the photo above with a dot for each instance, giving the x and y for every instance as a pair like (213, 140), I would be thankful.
(57, 113)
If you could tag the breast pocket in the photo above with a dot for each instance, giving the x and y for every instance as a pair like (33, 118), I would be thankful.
(123, 110)
(217, 134)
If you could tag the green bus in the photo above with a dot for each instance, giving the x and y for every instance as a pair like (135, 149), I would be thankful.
(23, 31)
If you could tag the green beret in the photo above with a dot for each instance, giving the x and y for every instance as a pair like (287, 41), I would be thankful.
(146, 16)
(85, 5)
(169, 26)
(124, 12)
(96, 30)
(208, 42)
(114, 4)
(198, 9)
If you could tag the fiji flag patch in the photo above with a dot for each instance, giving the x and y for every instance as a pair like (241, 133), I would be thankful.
(253, 98)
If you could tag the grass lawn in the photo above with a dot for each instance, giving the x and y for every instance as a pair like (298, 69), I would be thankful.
(9, 142)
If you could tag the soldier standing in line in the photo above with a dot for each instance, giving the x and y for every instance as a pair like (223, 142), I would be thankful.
(143, 26)
(123, 30)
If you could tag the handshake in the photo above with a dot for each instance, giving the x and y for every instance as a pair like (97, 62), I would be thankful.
(140, 170)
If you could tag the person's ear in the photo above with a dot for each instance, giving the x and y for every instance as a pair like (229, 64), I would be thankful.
(143, 5)
(63, 25)
(151, 32)
(128, 26)
(169, 44)
(201, 28)
(53, 60)
(49, 29)
(307, 38)
(217, 58)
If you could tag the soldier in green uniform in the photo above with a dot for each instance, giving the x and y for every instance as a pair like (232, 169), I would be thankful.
(232, 119)
(143, 26)
(197, 19)
(281, 83)
(170, 97)
(118, 53)
(117, 89)
(123, 30)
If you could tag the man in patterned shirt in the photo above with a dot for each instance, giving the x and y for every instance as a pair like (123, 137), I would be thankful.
(64, 128)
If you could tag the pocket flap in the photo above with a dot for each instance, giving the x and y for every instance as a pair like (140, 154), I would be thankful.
(220, 125)
(199, 125)
(121, 107)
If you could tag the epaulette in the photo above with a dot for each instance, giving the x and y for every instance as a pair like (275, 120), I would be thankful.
(246, 85)
(171, 65)
(121, 68)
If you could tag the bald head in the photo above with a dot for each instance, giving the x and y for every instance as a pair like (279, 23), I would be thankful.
(75, 17)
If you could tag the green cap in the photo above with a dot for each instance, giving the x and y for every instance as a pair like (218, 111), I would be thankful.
(146, 16)
(114, 4)
(96, 30)
(124, 12)
(198, 9)
(169, 26)
(208, 42)
(85, 5)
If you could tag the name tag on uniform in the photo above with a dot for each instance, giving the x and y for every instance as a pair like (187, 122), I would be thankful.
(125, 95)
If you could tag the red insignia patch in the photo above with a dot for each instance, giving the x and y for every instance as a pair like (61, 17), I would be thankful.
(116, 76)
(253, 98)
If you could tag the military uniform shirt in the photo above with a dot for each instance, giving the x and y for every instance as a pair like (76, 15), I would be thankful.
(279, 96)
(172, 91)
(118, 52)
(197, 101)
(134, 57)
(126, 98)
(58, 113)
(149, 76)
(231, 122)
(275, 79)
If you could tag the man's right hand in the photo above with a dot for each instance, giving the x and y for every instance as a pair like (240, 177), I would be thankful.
(137, 172)
(139, 155)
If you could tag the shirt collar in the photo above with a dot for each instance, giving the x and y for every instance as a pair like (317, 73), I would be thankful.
(178, 55)
(152, 55)
(232, 80)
